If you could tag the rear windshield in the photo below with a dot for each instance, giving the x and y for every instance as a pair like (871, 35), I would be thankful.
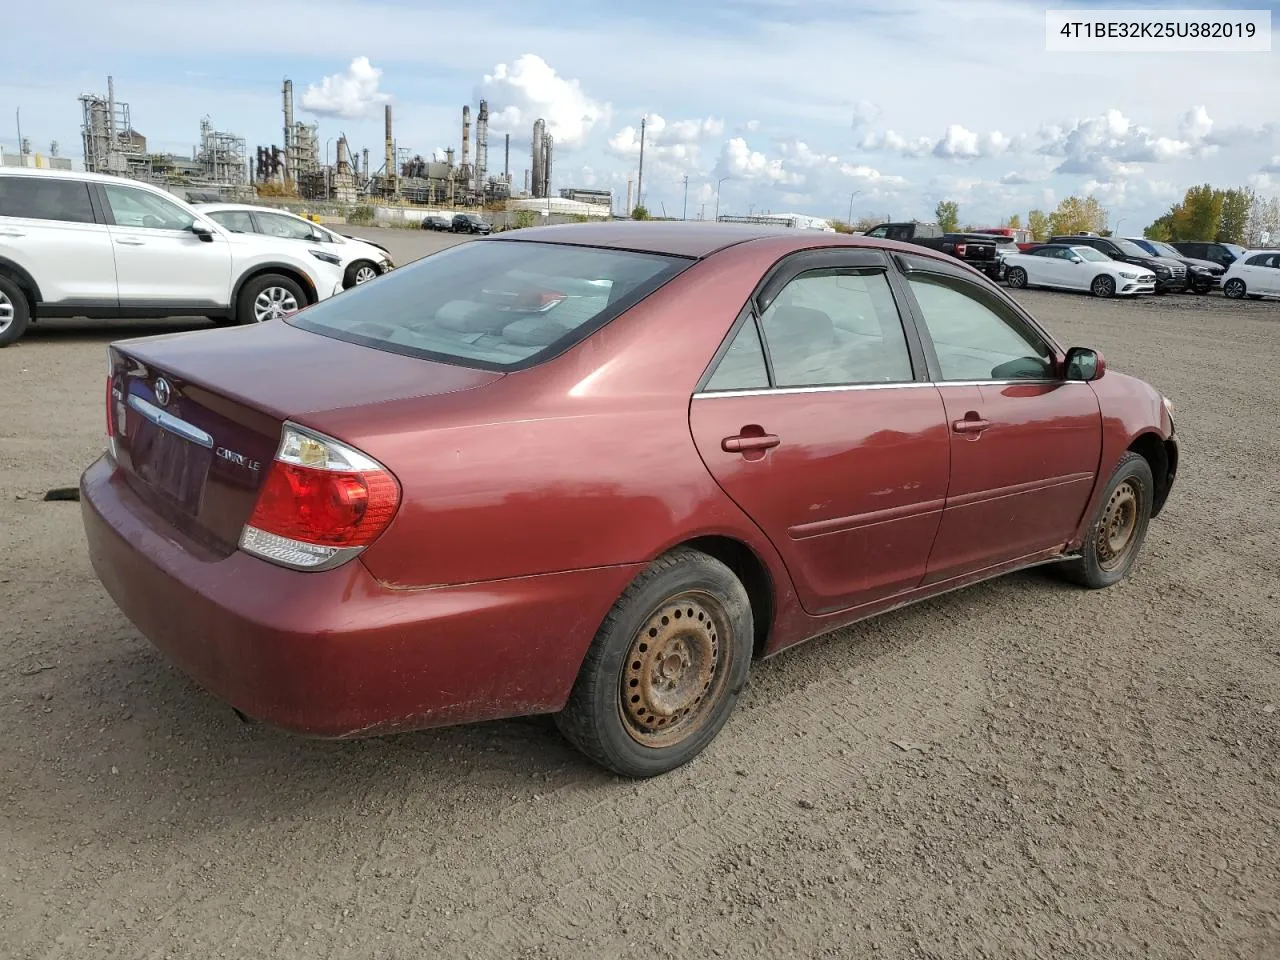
(495, 304)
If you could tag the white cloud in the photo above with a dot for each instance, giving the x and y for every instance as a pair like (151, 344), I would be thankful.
(530, 89)
(739, 161)
(350, 94)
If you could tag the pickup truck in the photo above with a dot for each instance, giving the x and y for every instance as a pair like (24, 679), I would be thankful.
(974, 249)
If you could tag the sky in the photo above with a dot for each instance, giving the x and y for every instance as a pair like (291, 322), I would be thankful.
(884, 107)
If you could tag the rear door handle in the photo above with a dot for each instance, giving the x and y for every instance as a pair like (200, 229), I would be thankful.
(12, 233)
(131, 241)
(973, 424)
(744, 442)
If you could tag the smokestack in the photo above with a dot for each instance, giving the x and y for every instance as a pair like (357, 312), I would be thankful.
(466, 135)
(506, 161)
(288, 129)
(547, 142)
(538, 155)
(364, 163)
(482, 148)
(390, 171)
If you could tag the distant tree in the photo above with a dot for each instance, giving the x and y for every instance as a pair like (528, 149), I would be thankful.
(1038, 224)
(1264, 219)
(641, 212)
(839, 226)
(866, 223)
(1234, 224)
(1161, 229)
(948, 214)
(1015, 222)
(1199, 214)
(1077, 215)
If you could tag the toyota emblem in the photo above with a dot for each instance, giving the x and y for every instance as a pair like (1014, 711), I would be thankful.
(163, 392)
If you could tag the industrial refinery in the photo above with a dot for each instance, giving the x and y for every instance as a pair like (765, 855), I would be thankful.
(220, 164)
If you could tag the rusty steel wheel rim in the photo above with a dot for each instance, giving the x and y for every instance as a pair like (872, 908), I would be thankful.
(674, 670)
(1118, 527)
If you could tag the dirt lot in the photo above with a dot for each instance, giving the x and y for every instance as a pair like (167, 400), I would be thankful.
(1096, 773)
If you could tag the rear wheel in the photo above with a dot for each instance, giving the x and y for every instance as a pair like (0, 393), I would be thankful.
(1118, 529)
(269, 297)
(1234, 288)
(665, 669)
(1103, 286)
(1016, 278)
(15, 312)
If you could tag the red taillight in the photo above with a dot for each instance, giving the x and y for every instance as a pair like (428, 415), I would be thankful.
(111, 408)
(960, 249)
(325, 507)
(321, 503)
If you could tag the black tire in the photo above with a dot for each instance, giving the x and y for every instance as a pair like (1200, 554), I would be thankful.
(631, 667)
(1131, 488)
(1234, 289)
(247, 302)
(1016, 278)
(15, 312)
(1103, 286)
(360, 268)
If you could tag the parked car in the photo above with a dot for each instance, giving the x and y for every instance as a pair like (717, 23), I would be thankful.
(1202, 275)
(361, 260)
(1068, 267)
(977, 250)
(91, 245)
(1255, 274)
(437, 221)
(470, 223)
(565, 470)
(1223, 254)
(1171, 275)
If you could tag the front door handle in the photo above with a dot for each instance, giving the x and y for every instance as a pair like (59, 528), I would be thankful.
(12, 233)
(972, 423)
(745, 442)
(131, 241)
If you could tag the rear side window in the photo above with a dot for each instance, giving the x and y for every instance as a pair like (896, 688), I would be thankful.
(494, 304)
(237, 221)
(38, 198)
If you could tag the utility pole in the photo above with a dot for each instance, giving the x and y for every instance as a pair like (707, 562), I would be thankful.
(640, 175)
(18, 115)
(718, 182)
(685, 214)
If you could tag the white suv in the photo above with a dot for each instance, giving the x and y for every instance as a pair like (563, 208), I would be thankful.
(362, 260)
(90, 245)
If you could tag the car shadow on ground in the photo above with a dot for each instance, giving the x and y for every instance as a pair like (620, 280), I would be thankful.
(128, 714)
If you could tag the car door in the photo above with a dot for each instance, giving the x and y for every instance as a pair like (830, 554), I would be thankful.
(160, 263)
(49, 227)
(1058, 268)
(1025, 443)
(1254, 273)
(818, 420)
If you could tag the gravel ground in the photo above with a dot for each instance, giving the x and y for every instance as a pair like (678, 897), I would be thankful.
(1085, 774)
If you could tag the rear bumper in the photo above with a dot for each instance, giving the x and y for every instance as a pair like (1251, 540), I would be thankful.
(337, 653)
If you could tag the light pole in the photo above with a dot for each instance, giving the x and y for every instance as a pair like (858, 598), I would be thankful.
(851, 196)
(718, 182)
(685, 214)
(1116, 231)
(640, 174)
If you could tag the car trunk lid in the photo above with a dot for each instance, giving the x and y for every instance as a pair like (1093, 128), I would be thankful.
(197, 417)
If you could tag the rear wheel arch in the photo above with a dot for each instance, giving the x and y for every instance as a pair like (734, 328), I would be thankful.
(26, 283)
(750, 570)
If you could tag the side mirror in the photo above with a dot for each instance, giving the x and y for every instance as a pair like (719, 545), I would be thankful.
(1076, 258)
(203, 232)
(1084, 364)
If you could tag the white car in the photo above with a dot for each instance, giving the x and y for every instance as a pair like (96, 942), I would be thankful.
(1068, 267)
(90, 245)
(361, 260)
(1255, 274)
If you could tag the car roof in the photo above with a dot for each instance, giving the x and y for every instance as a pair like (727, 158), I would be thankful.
(217, 206)
(691, 238)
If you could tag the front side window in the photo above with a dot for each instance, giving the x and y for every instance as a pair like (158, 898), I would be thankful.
(836, 326)
(278, 225)
(495, 304)
(38, 198)
(975, 336)
(237, 221)
(1090, 254)
(143, 210)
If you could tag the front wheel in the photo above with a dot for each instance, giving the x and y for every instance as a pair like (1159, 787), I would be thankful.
(1103, 286)
(362, 271)
(665, 669)
(1234, 288)
(1118, 529)
(269, 297)
(1016, 278)
(15, 312)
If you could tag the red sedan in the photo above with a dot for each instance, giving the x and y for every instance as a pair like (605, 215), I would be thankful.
(596, 470)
